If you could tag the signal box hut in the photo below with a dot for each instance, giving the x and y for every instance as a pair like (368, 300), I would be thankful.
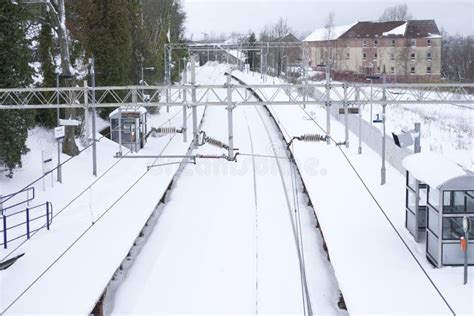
(439, 194)
(128, 126)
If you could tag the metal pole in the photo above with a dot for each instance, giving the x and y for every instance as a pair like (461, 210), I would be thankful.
(346, 118)
(59, 172)
(417, 138)
(120, 129)
(371, 103)
(230, 108)
(168, 92)
(384, 105)
(185, 105)
(261, 63)
(328, 105)
(143, 83)
(466, 225)
(85, 138)
(357, 96)
(94, 126)
(193, 100)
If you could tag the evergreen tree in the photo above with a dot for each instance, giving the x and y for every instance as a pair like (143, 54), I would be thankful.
(14, 72)
(46, 117)
(251, 56)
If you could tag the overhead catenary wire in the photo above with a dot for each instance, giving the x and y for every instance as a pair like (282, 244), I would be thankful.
(307, 308)
(64, 252)
(385, 215)
(305, 295)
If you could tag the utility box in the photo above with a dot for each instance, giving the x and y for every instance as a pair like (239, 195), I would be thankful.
(128, 127)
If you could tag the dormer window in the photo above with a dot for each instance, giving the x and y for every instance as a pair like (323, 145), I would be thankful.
(413, 42)
(393, 42)
(364, 43)
(376, 43)
(428, 42)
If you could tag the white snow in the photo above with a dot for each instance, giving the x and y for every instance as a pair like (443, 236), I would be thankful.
(224, 241)
(105, 209)
(321, 34)
(374, 269)
(432, 169)
(126, 109)
(399, 30)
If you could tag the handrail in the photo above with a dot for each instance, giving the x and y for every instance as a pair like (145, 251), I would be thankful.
(6, 198)
(28, 220)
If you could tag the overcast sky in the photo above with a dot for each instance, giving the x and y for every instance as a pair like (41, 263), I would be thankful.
(217, 16)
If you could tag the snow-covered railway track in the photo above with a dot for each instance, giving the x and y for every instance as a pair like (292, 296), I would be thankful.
(217, 249)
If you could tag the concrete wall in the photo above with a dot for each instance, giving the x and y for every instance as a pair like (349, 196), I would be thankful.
(371, 137)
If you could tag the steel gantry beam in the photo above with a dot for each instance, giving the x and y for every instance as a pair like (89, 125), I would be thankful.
(278, 94)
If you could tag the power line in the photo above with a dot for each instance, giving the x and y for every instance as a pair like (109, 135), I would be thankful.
(85, 231)
(385, 215)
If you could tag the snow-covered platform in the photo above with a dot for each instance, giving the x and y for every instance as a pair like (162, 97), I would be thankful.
(65, 270)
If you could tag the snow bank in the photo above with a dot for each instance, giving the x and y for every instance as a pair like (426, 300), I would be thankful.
(399, 30)
(321, 34)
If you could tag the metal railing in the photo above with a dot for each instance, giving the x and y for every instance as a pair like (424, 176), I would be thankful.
(27, 223)
(30, 195)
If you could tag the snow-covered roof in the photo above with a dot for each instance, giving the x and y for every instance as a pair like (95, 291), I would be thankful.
(321, 34)
(433, 169)
(399, 30)
(129, 109)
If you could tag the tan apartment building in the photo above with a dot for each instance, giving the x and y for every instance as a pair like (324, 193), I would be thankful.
(402, 50)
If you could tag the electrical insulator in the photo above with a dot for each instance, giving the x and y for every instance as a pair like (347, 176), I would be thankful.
(216, 143)
(166, 130)
(312, 138)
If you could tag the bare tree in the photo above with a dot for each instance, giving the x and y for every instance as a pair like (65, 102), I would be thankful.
(457, 57)
(329, 26)
(397, 12)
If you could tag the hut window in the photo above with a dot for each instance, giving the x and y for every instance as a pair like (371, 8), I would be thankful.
(433, 198)
(457, 202)
(452, 228)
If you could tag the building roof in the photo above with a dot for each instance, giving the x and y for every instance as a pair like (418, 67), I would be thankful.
(437, 171)
(371, 29)
(422, 28)
(367, 29)
(288, 38)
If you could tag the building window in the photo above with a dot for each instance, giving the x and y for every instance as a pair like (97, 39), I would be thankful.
(413, 56)
(428, 42)
(393, 42)
(375, 56)
(413, 42)
(376, 43)
(364, 43)
(392, 56)
(392, 70)
(348, 55)
(364, 56)
(412, 70)
(428, 70)
(428, 56)
(378, 69)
